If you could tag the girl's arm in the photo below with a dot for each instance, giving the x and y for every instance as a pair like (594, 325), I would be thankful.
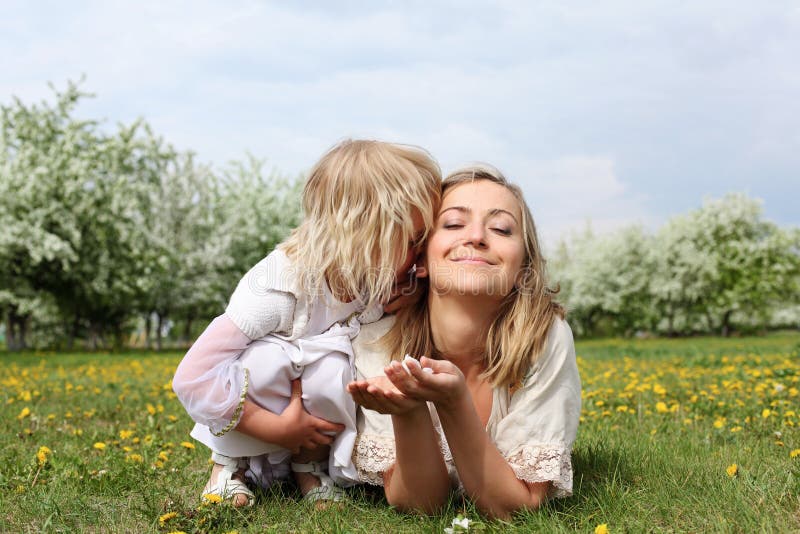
(485, 474)
(418, 480)
(209, 381)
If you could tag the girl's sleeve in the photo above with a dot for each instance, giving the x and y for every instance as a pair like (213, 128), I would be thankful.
(210, 381)
(537, 434)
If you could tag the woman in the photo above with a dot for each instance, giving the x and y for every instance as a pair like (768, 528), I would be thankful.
(502, 375)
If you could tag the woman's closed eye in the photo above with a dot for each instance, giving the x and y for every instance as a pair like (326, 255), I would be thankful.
(502, 231)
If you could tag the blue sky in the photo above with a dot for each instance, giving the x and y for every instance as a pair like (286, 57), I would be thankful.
(613, 112)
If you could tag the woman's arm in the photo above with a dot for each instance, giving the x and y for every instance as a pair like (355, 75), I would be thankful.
(487, 477)
(485, 474)
(418, 480)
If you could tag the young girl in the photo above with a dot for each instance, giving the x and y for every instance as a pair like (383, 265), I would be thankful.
(367, 205)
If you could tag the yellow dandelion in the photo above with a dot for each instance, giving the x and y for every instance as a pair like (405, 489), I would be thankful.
(661, 407)
(732, 470)
(766, 412)
(187, 445)
(151, 409)
(176, 532)
(601, 529)
(127, 449)
(125, 434)
(136, 458)
(719, 423)
(24, 413)
(212, 498)
(794, 454)
(99, 445)
(163, 456)
(166, 517)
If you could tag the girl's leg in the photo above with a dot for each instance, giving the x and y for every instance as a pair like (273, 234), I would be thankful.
(325, 396)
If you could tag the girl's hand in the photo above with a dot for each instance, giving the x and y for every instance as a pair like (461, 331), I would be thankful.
(444, 386)
(301, 429)
(380, 395)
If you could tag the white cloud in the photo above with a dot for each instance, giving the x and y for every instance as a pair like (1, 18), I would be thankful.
(586, 105)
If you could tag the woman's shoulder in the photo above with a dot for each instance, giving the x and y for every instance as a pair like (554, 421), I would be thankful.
(560, 334)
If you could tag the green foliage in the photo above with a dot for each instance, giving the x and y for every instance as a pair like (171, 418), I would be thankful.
(100, 229)
(714, 269)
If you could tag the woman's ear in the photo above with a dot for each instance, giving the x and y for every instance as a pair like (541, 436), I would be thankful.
(421, 266)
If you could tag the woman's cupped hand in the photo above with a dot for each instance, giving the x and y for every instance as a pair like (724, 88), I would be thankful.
(406, 387)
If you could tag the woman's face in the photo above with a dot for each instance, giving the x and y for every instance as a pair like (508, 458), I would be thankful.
(477, 247)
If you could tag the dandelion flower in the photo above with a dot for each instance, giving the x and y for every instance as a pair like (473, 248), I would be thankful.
(99, 445)
(187, 445)
(151, 409)
(732, 470)
(661, 407)
(24, 413)
(166, 517)
(212, 498)
(794, 454)
(125, 434)
(601, 529)
(766, 412)
(137, 458)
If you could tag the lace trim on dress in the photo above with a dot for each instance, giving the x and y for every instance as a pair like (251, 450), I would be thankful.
(373, 454)
(237, 413)
(544, 463)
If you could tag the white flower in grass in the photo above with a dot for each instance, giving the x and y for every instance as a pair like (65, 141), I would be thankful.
(460, 524)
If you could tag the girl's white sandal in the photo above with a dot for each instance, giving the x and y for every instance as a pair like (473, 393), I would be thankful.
(228, 487)
(327, 491)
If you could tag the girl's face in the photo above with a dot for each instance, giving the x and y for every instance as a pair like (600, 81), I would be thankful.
(412, 248)
(477, 247)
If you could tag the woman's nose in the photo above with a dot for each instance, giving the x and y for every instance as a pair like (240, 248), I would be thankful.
(476, 235)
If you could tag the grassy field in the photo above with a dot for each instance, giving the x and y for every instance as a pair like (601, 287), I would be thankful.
(676, 436)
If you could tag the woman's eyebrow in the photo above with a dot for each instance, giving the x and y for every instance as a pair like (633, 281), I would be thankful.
(492, 212)
(496, 211)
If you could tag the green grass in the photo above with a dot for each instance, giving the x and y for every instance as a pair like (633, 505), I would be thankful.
(662, 421)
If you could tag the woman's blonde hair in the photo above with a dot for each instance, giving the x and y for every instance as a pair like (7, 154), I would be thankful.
(518, 334)
(358, 203)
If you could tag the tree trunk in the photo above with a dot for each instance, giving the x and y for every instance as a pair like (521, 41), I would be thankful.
(11, 334)
(119, 342)
(24, 322)
(148, 327)
(726, 323)
(187, 330)
(16, 330)
(159, 325)
(73, 333)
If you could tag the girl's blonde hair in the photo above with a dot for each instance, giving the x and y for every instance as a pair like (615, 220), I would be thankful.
(518, 334)
(357, 205)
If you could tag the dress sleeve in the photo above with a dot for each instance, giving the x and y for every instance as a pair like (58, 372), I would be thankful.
(374, 450)
(537, 434)
(265, 298)
(210, 381)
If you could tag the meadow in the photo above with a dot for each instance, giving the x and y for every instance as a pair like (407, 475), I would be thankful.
(690, 435)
